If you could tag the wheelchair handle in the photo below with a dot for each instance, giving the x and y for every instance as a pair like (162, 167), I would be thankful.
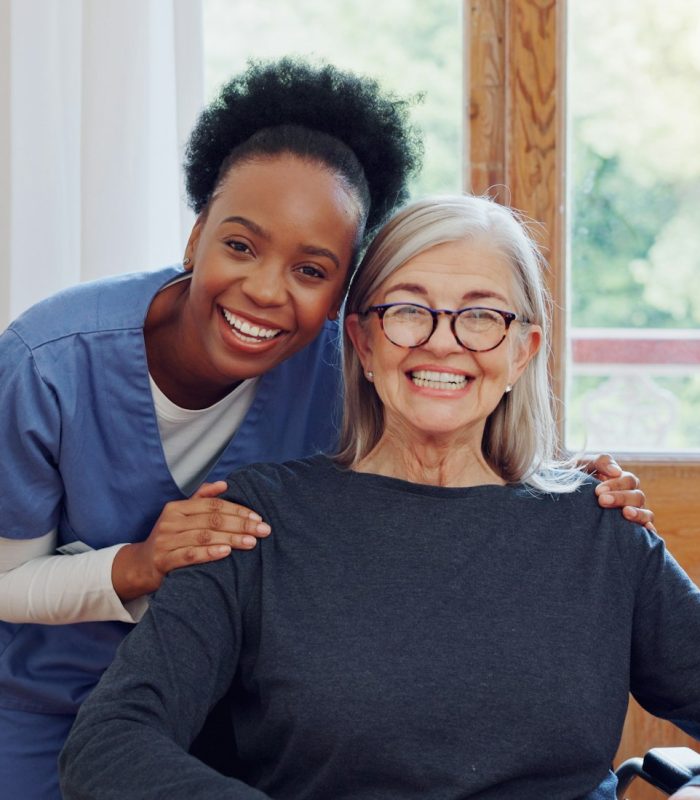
(667, 768)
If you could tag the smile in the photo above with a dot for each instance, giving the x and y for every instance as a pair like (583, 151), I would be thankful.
(427, 379)
(247, 332)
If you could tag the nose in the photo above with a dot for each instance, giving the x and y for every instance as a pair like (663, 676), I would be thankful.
(443, 342)
(265, 284)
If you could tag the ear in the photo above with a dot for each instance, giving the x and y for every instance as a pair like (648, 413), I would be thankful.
(360, 338)
(524, 350)
(193, 241)
(335, 309)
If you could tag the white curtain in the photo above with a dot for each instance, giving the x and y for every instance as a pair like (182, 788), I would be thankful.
(96, 100)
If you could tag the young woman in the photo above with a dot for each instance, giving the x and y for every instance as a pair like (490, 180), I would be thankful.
(124, 395)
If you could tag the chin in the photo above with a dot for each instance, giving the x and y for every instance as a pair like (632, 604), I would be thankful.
(436, 428)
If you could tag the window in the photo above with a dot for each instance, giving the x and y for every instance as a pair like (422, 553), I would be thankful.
(634, 310)
(414, 47)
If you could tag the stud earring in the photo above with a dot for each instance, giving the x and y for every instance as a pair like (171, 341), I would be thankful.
(185, 261)
(509, 388)
(369, 375)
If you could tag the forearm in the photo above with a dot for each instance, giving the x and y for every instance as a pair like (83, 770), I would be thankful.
(37, 586)
(122, 758)
(131, 737)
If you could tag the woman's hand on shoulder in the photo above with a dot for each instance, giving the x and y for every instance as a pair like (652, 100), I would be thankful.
(620, 489)
(193, 531)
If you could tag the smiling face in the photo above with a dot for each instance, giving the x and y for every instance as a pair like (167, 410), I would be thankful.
(269, 264)
(440, 389)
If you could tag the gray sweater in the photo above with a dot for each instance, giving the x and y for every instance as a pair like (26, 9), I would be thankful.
(391, 640)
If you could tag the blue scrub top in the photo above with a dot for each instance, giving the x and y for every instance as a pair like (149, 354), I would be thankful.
(81, 453)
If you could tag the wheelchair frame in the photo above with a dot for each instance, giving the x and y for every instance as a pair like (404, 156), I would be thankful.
(666, 768)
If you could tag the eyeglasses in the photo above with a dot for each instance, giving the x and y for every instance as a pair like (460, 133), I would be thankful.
(475, 328)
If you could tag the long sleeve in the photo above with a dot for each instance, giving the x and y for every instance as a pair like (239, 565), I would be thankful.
(131, 735)
(666, 637)
(37, 586)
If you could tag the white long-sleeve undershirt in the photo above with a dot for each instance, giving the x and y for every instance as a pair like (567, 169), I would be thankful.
(38, 586)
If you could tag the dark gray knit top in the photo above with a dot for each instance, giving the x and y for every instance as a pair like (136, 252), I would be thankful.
(391, 640)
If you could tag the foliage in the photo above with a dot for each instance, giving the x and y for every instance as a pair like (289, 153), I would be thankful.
(413, 46)
(635, 107)
(614, 227)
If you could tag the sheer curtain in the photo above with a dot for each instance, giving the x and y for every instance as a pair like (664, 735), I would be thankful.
(96, 100)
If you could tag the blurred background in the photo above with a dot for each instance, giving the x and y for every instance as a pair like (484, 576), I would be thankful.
(100, 96)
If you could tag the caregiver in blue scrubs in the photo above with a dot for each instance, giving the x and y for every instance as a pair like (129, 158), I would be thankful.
(125, 402)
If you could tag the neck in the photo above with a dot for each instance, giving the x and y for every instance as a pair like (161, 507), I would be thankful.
(431, 460)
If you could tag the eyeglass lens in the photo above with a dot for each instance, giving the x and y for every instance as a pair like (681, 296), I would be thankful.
(476, 328)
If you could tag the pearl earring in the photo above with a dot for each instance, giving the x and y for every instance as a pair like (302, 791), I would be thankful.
(509, 388)
(369, 375)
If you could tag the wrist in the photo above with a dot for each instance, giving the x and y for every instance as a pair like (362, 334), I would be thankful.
(131, 578)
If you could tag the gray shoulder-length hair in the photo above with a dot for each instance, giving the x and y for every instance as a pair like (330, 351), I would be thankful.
(520, 438)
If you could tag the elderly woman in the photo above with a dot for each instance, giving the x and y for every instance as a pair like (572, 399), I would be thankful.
(444, 610)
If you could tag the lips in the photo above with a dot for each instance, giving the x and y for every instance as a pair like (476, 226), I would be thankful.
(249, 332)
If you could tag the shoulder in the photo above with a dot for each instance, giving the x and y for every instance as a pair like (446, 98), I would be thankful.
(605, 528)
(270, 481)
(572, 499)
(577, 514)
(118, 302)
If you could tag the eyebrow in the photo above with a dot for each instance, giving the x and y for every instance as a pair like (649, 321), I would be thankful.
(252, 226)
(322, 252)
(416, 288)
(308, 250)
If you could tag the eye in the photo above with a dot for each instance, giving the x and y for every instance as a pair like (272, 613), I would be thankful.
(311, 271)
(407, 313)
(480, 319)
(238, 246)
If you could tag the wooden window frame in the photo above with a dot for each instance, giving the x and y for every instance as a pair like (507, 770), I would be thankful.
(515, 138)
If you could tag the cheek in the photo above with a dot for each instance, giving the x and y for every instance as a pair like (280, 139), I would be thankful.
(387, 364)
(210, 276)
(312, 309)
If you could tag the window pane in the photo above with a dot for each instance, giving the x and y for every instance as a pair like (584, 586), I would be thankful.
(414, 47)
(634, 128)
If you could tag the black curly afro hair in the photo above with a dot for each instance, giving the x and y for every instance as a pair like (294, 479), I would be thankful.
(322, 113)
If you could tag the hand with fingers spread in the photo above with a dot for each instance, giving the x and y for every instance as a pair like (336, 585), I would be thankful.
(620, 489)
(202, 528)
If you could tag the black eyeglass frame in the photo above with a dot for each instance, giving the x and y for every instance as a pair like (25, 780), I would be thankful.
(508, 318)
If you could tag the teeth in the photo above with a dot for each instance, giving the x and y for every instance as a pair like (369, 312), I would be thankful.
(248, 332)
(438, 380)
